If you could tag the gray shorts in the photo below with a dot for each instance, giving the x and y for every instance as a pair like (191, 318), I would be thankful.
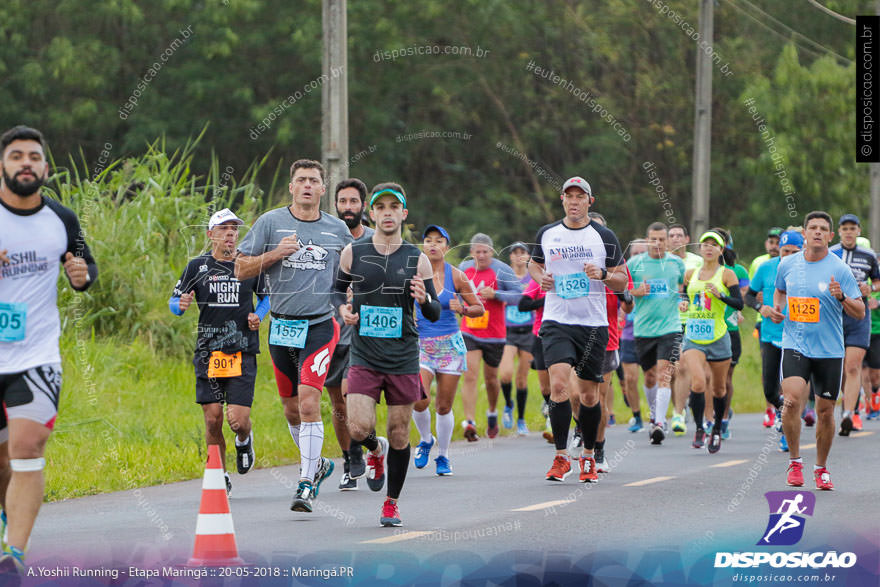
(715, 351)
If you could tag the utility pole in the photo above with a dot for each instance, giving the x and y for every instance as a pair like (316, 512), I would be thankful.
(702, 127)
(334, 97)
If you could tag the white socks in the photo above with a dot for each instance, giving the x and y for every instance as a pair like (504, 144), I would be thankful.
(423, 424)
(311, 436)
(662, 399)
(445, 425)
(294, 433)
(651, 396)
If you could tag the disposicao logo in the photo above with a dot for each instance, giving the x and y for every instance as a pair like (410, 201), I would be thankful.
(786, 528)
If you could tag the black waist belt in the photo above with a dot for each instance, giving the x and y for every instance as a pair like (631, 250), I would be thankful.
(289, 317)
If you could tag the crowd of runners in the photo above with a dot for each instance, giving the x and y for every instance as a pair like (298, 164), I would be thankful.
(362, 313)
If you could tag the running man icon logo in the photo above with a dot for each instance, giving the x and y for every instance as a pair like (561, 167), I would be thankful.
(786, 524)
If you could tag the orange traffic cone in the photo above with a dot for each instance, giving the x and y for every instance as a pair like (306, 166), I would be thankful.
(215, 536)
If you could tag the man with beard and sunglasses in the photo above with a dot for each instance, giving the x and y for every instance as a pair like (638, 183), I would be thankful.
(37, 236)
(351, 194)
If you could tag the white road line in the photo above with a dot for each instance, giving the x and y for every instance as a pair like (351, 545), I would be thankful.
(728, 464)
(398, 537)
(542, 506)
(648, 481)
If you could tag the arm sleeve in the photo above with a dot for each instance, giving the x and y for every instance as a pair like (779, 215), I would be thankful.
(734, 300)
(174, 305)
(431, 310)
(527, 304)
(76, 242)
(751, 300)
(340, 289)
(509, 288)
(263, 307)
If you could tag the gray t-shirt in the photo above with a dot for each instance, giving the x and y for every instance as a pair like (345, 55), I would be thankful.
(346, 330)
(302, 283)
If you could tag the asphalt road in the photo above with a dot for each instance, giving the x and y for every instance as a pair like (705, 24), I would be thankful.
(497, 512)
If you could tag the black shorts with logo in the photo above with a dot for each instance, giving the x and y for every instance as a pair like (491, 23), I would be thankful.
(492, 351)
(823, 375)
(238, 390)
(582, 347)
(650, 349)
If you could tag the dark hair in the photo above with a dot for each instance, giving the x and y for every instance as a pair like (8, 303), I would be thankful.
(307, 164)
(388, 185)
(725, 234)
(818, 214)
(656, 226)
(728, 255)
(352, 182)
(683, 228)
(599, 217)
(20, 133)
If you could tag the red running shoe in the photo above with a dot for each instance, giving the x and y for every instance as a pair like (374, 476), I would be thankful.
(560, 469)
(795, 474)
(769, 417)
(390, 513)
(856, 422)
(588, 470)
(823, 479)
(376, 466)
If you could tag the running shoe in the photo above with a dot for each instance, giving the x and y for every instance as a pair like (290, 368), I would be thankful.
(872, 415)
(725, 429)
(244, 455)
(857, 422)
(778, 423)
(875, 402)
(347, 483)
(548, 431)
(699, 438)
(422, 452)
(560, 469)
(635, 424)
(470, 431)
(783, 443)
(443, 467)
(12, 564)
(846, 425)
(228, 483)
(795, 474)
(521, 428)
(810, 417)
(507, 417)
(769, 417)
(823, 479)
(576, 444)
(492, 425)
(714, 442)
(302, 501)
(324, 471)
(545, 409)
(612, 421)
(657, 434)
(678, 426)
(3, 529)
(588, 470)
(390, 514)
(376, 466)
(601, 465)
(357, 468)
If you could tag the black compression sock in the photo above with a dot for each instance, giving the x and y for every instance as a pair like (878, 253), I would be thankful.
(521, 397)
(589, 419)
(505, 389)
(371, 442)
(600, 445)
(718, 403)
(346, 461)
(698, 407)
(355, 447)
(637, 415)
(560, 422)
(398, 462)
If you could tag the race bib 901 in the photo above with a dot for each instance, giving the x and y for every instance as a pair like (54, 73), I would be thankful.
(223, 365)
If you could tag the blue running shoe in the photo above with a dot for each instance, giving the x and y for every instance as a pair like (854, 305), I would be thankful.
(635, 425)
(778, 423)
(443, 466)
(783, 444)
(725, 429)
(422, 452)
(507, 417)
(521, 428)
(324, 471)
(12, 565)
(611, 419)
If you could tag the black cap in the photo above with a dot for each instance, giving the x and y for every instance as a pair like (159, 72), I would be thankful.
(849, 218)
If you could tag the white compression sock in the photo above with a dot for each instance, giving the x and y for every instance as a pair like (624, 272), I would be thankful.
(294, 433)
(423, 423)
(651, 396)
(663, 396)
(312, 437)
(445, 426)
